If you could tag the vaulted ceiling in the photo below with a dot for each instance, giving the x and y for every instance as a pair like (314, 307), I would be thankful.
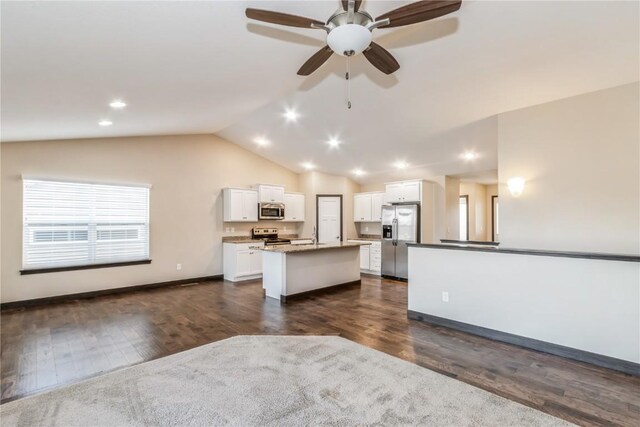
(202, 67)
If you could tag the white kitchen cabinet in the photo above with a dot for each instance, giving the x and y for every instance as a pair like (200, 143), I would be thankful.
(377, 200)
(270, 193)
(367, 207)
(240, 205)
(393, 193)
(370, 256)
(362, 207)
(411, 191)
(364, 257)
(375, 257)
(403, 192)
(242, 261)
(293, 207)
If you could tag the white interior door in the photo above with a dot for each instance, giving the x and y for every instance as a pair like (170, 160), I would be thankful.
(328, 219)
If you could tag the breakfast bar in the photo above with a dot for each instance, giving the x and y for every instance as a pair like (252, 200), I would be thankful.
(295, 270)
(581, 305)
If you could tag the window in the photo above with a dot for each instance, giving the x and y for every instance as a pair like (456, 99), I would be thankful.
(68, 224)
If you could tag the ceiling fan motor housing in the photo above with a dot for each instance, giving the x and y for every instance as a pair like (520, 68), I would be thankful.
(349, 38)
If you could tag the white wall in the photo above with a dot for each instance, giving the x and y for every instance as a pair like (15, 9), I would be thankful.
(187, 174)
(477, 209)
(580, 157)
(452, 208)
(591, 305)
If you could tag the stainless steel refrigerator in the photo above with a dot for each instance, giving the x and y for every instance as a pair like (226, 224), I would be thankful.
(400, 225)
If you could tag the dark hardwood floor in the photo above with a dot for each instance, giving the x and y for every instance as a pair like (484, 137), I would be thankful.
(49, 346)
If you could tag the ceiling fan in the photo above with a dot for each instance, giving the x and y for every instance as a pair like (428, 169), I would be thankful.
(349, 29)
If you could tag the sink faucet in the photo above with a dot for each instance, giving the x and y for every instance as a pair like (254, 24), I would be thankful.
(313, 236)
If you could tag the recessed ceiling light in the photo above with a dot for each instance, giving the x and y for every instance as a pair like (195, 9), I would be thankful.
(469, 155)
(291, 115)
(401, 164)
(117, 104)
(333, 142)
(261, 141)
(358, 172)
(105, 123)
(308, 165)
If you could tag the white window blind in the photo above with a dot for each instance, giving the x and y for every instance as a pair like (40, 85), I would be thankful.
(72, 224)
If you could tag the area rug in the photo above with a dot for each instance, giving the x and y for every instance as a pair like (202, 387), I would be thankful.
(272, 381)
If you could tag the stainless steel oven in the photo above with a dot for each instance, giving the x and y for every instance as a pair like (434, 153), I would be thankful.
(271, 211)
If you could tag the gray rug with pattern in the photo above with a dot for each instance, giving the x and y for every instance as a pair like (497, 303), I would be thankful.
(272, 381)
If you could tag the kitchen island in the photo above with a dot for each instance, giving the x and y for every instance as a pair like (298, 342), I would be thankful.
(290, 271)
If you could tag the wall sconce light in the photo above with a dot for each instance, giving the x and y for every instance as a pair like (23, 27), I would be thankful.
(516, 186)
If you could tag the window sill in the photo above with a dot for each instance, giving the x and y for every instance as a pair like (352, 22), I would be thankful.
(83, 267)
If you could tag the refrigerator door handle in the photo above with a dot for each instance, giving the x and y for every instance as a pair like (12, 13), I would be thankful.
(395, 232)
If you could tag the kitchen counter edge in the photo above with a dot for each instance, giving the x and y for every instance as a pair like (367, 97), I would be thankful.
(535, 252)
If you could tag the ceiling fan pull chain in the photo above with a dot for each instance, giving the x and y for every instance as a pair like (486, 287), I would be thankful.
(348, 76)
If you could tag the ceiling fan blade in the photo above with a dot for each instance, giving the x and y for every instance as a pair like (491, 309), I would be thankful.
(313, 63)
(381, 58)
(281, 18)
(345, 5)
(419, 11)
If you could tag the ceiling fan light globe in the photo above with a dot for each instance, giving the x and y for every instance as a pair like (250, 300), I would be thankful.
(349, 39)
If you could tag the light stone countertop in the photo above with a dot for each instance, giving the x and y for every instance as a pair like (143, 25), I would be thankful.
(248, 239)
(240, 239)
(310, 247)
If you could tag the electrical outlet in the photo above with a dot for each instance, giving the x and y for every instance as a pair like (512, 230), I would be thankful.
(366, 228)
(233, 229)
(445, 296)
(227, 229)
(178, 267)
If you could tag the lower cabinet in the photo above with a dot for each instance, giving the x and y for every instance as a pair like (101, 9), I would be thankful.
(364, 257)
(370, 256)
(242, 261)
(375, 257)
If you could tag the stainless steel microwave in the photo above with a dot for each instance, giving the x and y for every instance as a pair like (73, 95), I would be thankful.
(271, 211)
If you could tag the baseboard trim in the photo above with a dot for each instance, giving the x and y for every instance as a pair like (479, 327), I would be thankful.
(94, 294)
(288, 298)
(625, 366)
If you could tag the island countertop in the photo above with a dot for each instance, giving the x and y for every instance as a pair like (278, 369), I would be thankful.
(310, 247)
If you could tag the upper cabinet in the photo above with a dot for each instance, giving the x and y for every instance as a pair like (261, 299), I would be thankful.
(293, 207)
(403, 192)
(240, 205)
(270, 193)
(377, 200)
(362, 207)
(367, 207)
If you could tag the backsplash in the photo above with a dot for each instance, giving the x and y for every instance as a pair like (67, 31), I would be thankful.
(369, 228)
